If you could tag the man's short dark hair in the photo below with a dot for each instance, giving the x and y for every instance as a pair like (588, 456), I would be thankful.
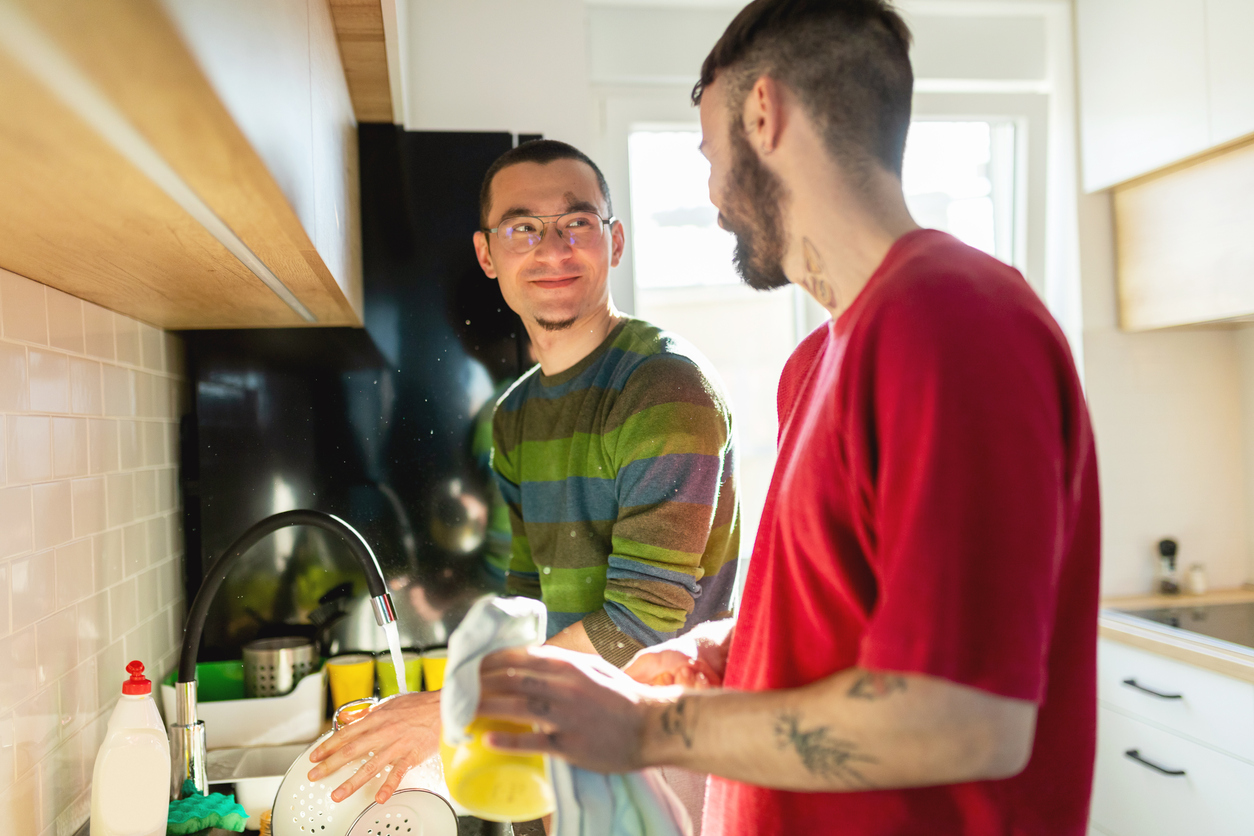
(847, 61)
(540, 151)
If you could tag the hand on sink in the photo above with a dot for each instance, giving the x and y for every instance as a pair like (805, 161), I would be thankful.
(401, 732)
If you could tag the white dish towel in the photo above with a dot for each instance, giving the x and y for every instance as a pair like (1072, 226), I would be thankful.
(588, 803)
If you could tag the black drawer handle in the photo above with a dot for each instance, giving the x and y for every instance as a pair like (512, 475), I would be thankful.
(1135, 755)
(1132, 683)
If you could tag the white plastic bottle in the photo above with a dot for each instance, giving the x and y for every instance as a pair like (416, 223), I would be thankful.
(130, 784)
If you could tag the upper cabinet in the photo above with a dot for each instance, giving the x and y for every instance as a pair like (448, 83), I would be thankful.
(1229, 28)
(1185, 255)
(1160, 81)
(190, 163)
(1143, 100)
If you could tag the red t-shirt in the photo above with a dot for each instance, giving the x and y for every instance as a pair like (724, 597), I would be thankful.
(933, 510)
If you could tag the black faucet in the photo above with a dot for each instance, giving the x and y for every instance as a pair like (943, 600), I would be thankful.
(187, 740)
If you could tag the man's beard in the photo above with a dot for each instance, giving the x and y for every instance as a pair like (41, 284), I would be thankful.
(556, 325)
(753, 213)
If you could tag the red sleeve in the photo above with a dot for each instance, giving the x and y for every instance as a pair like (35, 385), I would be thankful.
(962, 464)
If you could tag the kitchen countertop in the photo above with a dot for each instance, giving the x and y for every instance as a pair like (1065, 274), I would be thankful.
(1193, 649)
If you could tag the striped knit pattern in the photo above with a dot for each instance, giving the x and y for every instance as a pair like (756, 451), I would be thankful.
(620, 478)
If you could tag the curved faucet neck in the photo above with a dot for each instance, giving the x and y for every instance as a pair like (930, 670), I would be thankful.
(357, 545)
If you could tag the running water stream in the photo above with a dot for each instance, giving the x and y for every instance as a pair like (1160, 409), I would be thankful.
(398, 662)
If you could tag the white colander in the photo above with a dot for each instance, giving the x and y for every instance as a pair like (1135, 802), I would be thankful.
(304, 808)
(407, 813)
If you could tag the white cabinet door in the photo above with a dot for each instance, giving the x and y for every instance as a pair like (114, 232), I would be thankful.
(1143, 87)
(1230, 28)
(1209, 707)
(1152, 783)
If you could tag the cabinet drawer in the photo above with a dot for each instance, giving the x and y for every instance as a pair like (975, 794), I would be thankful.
(1212, 798)
(1215, 709)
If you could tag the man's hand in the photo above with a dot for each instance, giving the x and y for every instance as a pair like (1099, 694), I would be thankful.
(400, 732)
(695, 660)
(852, 731)
(602, 711)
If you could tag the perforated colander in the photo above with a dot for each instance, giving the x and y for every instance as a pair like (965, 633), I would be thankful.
(407, 813)
(304, 808)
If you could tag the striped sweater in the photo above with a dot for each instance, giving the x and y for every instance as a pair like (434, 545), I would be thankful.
(619, 474)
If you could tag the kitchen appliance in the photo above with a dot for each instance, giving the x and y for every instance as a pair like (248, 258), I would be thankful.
(1230, 623)
(374, 425)
(272, 667)
(419, 808)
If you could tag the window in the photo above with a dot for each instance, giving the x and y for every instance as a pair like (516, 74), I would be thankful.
(960, 177)
(677, 239)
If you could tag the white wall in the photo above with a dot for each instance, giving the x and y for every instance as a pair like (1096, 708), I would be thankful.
(1245, 348)
(1167, 414)
(498, 65)
(90, 538)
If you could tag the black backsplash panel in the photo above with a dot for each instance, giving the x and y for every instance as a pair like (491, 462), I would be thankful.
(373, 425)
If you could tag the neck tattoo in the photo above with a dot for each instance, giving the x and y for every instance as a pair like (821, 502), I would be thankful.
(815, 278)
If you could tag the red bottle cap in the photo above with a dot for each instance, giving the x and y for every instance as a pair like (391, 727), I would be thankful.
(138, 683)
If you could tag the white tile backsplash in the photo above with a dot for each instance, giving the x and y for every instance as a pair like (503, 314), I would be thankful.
(54, 518)
(86, 389)
(90, 541)
(49, 381)
(69, 447)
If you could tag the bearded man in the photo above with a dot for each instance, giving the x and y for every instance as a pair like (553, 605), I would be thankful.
(916, 647)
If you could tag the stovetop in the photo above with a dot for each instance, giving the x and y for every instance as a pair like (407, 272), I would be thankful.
(1227, 622)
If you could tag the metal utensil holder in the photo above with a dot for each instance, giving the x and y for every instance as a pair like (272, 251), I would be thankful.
(272, 667)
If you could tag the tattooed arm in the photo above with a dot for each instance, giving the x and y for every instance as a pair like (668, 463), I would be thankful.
(855, 730)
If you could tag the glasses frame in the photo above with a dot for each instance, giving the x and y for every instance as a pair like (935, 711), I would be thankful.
(544, 225)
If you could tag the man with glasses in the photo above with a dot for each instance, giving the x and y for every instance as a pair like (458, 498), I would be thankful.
(614, 453)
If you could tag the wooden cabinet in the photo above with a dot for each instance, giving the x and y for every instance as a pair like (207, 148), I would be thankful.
(190, 163)
(1174, 748)
(1143, 89)
(1185, 252)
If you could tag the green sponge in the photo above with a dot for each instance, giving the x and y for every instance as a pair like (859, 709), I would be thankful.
(197, 812)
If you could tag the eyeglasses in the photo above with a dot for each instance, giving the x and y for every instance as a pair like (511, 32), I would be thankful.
(522, 234)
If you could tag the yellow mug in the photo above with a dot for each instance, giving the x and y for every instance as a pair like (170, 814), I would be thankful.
(352, 678)
(385, 672)
(496, 785)
(433, 662)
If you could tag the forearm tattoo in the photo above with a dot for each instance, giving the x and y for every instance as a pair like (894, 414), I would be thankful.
(876, 686)
(820, 754)
(680, 720)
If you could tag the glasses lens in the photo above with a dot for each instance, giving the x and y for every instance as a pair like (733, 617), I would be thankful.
(580, 229)
(520, 235)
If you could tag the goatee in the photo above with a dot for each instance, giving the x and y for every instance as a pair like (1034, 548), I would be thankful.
(556, 325)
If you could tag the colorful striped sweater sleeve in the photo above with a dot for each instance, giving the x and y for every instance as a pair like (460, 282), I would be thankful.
(620, 479)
